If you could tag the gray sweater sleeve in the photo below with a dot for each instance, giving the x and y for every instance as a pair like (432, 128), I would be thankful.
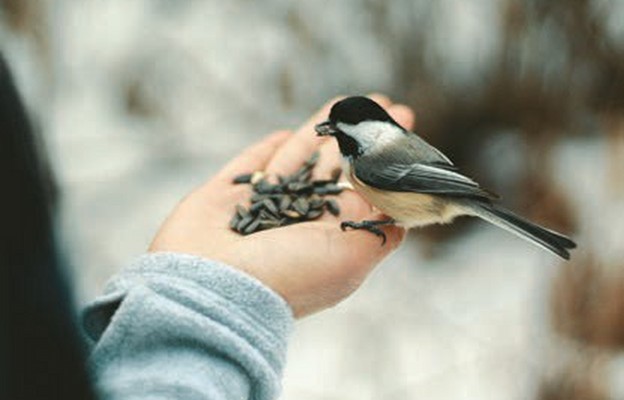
(174, 326)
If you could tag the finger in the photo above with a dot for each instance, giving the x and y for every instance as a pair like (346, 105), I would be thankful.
(403, 115)
(255, 157)
(329, 160)
(371, 247)
(380, 99)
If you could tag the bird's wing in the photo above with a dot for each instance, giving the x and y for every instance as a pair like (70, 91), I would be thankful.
(427, 178)
(425, 151)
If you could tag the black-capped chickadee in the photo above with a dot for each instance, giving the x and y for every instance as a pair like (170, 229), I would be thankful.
(411, 181)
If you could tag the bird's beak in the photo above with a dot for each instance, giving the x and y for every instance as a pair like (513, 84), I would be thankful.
(326, 129)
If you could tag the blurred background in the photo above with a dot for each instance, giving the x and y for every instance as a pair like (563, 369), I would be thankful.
(139, 101)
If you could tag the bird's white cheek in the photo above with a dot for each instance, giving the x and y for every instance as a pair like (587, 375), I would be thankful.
(372, 134)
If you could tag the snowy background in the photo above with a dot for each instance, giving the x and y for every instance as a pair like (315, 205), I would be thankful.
(140, 101)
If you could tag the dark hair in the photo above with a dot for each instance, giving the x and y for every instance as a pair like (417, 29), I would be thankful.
(41, 354)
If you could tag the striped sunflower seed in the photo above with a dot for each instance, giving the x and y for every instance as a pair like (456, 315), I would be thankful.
(285, 202)
(314, 214)
(241, 211)
(244, 222)
(291, 214)
(332, 207)
(269, 223)
(270, 205)
(234, 221)
(256, 177)
(256, 207)
(244, 178)
(301, 205)
(252, 227)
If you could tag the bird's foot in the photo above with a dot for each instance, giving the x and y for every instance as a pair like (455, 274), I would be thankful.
(371, 226)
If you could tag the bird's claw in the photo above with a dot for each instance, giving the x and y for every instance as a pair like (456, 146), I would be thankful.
(370, 226)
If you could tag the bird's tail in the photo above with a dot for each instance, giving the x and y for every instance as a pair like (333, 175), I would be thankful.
(519, 226)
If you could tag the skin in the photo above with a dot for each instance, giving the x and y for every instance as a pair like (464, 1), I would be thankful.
(312, 265)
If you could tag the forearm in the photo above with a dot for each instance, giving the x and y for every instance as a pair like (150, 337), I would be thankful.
(178, 326)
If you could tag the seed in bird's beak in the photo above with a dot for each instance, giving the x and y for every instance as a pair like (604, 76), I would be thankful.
(325, 129)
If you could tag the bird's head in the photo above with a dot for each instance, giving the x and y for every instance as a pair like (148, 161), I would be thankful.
(359, 125)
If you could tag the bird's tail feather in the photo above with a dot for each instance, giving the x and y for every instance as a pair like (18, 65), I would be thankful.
(519, 226)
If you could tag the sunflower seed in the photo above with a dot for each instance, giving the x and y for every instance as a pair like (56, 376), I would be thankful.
(270, 205)
(234, 221)
(313, 159)
(265, 214)
(301, 205)
(291, 214)
(332, 207)
(244, 178)
(255, 207)
(316, 202)
(322, 182)
(269, 223)
(328, 189)
(242, 224)
(272, 196)
(252, 227)
(299, 187)
(241, 211)
(256, 177)
(304, 176)
(320, 190)
(264, 187)
(314, 214)
(285, 202)
(256, 197)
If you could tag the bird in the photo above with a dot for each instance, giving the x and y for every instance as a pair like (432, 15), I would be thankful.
(413, 183)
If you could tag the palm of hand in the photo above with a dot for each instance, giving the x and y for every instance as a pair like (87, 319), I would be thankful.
(312, 265)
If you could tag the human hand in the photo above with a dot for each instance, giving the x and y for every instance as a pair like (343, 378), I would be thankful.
(312, 265)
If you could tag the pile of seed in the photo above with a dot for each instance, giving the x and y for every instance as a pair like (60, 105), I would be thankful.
(295, 198)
